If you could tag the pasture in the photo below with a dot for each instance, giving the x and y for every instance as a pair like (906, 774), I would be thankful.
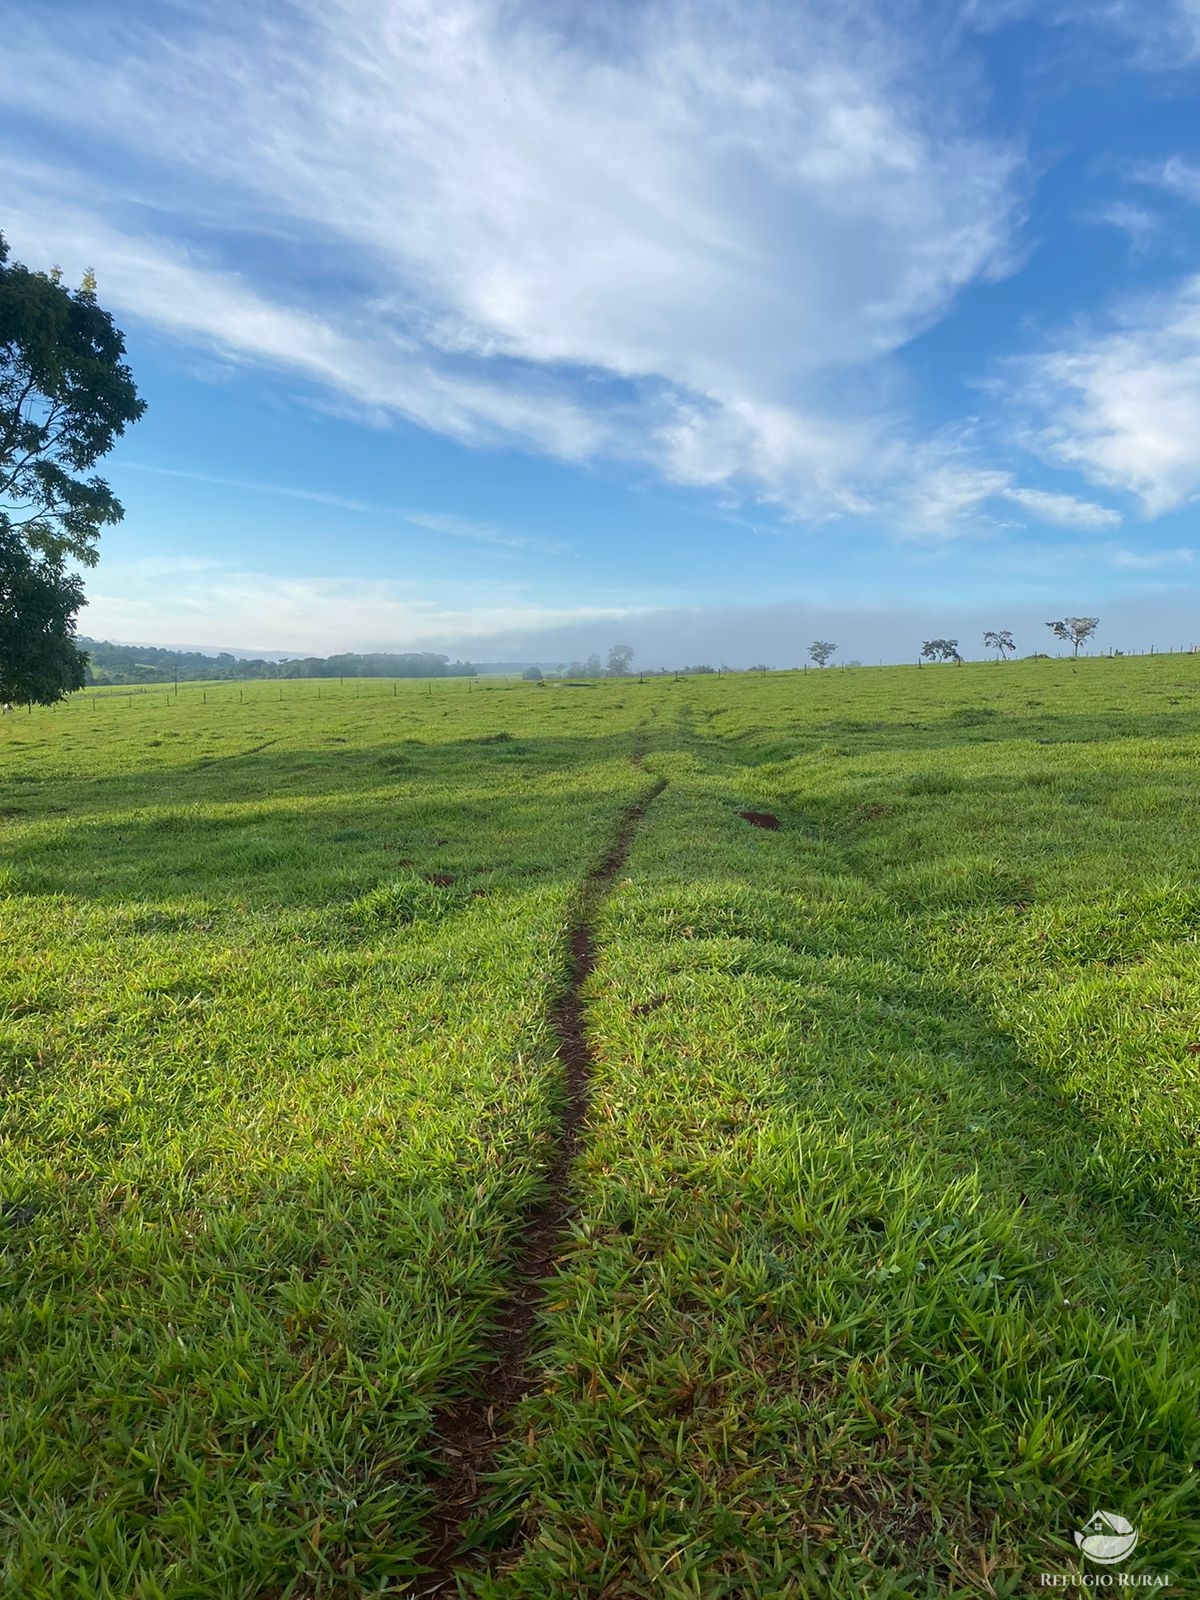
(857, 1158)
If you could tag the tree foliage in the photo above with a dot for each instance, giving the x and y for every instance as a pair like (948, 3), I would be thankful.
(821, 650)
(1074, 631)
(40, 660)
(941, 650)
(619, 658)
(1000, 640)
(66, 396)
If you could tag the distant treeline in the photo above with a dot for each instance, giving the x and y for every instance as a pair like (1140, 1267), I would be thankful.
(128, 663)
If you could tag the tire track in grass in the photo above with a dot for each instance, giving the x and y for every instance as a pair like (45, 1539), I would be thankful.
(234, 755)
(469, 1431)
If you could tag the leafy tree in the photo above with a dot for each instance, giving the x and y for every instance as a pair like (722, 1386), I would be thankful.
(941, 650)
(66, 396)
(1074, 631)
(40, 661)
(592, 667)
(820, 650)
(619, 658)
(1000, 641)
(532, 674)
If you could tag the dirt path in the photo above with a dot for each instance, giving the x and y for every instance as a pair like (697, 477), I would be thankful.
(468, 1433)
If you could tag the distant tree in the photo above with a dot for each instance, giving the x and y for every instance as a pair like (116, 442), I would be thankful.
(821, 650)
(40, 661)
(592, 667)
(941, 650)
(1000, 641)
(1074, 631)
(532, 674)
(703, 667)
(619, 658)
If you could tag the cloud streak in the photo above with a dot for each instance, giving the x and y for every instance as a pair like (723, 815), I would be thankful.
(453, 527)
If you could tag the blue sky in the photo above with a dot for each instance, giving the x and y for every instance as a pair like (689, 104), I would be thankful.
(506, 327)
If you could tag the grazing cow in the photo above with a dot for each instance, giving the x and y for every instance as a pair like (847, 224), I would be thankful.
(8, 708)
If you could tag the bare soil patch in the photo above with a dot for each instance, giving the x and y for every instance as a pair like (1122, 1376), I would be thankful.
(760, 819)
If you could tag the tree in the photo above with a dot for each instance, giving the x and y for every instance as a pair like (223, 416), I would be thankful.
(820, 651)
(619, 658)
(66, 396)
(532, 674)
(1000, 642)
(941, 650)
(592, 667)
(40, 661)
(1074, 631)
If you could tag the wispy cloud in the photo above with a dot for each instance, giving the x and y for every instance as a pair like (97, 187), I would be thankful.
(1121, 403)
(1065, 510)
(1139, 224)
(1177, 175)
(453, 527)
(1151, 560)
(1157, 35)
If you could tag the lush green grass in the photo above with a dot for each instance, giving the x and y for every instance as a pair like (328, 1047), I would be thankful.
(883, 1274)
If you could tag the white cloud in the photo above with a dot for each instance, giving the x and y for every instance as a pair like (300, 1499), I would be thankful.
(1151, 560)
(1139, 224)
(1122, 404)
(1160, 35)
(1177, 175)
(172, 288)
(1064, 509)
(944, 492)
(465, 212)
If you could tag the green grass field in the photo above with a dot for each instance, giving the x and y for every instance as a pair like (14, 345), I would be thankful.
(881, 1274)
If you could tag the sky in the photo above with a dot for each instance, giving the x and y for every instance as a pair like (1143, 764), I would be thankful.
(515, 329)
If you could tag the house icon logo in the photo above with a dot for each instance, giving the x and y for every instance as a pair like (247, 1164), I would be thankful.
(1107, 1537)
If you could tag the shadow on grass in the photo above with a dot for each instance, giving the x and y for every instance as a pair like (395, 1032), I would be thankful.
(305, 827)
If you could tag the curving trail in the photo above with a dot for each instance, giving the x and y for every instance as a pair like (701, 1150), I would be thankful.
(468, 1433)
